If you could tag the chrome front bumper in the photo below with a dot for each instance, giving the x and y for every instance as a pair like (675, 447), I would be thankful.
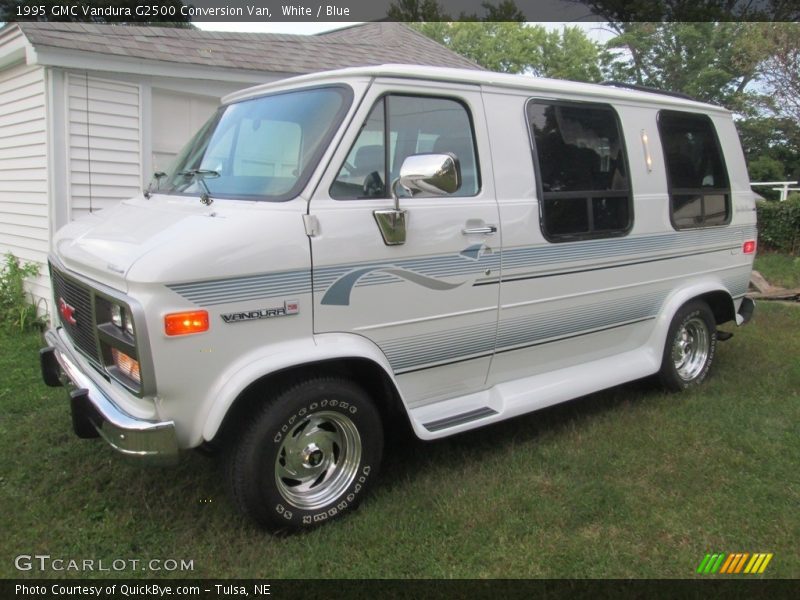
(94, 412)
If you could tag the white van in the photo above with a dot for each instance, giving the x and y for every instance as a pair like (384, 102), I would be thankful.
(339, 254)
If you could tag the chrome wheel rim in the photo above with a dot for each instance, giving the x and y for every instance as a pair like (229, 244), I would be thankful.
(318, 460)
(690, 348)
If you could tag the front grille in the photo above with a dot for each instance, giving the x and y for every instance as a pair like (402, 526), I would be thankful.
(78, 297)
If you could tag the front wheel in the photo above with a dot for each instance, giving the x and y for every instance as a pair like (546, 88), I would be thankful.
(308, 456)
(690, 348)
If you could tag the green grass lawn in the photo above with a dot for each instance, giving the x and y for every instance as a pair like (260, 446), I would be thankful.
(630, 482)
(779, 269)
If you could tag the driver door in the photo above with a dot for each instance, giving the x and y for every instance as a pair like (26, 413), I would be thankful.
(430, 304)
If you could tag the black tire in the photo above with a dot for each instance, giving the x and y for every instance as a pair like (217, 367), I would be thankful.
(308, 456)
(690, 347)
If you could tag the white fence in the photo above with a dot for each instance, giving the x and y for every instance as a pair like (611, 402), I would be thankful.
(784, 187)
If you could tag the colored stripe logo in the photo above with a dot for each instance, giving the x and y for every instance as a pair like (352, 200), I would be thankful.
(734, 563)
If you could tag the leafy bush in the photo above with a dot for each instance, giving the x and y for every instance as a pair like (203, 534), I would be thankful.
(17, 310)
(779, 225)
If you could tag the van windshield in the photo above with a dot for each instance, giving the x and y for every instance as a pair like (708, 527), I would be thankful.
(264, 148)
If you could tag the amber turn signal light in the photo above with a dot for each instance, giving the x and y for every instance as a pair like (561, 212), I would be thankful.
(183, 323)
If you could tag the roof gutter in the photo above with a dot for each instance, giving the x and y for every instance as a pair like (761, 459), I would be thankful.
(14, 47)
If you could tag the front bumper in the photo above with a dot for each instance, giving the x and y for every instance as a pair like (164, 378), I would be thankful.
(94, 412)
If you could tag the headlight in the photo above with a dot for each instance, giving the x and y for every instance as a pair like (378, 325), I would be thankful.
(122, 318)
(128, 323)
(115, 331)
(116, 315)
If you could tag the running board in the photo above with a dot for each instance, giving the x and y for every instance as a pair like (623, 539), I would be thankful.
(513, 398)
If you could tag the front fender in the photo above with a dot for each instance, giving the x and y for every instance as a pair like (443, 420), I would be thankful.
(277, 357)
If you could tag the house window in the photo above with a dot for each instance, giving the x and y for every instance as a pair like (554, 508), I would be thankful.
(583, 170)
(698, 181)
(397, 127)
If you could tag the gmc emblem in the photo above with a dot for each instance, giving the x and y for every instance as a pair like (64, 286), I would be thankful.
(67, 312)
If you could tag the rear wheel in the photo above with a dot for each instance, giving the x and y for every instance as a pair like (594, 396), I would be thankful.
(308, 456)
(690, 347)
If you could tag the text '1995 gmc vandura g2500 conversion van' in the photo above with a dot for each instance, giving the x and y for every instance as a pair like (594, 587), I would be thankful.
(337, 254)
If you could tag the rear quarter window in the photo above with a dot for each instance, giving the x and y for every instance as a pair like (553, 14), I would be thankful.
(697, 179)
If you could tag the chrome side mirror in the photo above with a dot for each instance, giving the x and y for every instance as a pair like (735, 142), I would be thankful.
(436, 174)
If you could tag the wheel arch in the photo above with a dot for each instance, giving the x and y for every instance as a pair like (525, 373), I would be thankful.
(712, 292)
(355, 358)
(721, 304)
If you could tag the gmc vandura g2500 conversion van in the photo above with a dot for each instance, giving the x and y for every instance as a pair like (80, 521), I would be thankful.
(335, 254)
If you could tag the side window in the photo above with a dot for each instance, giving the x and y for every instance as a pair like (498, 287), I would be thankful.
(583, 169)
(397, 127)
(698, 181)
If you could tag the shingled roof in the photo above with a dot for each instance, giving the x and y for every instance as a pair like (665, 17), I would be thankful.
(359, 45)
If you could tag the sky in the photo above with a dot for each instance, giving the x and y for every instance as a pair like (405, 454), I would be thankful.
(595, 31)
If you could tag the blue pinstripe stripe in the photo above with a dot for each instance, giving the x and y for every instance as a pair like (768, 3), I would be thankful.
(441, 346)
(221, 291)
(531, 256)
(546, 255)
(558, 323)
(737, 284)
(268, 285)
(409, 352)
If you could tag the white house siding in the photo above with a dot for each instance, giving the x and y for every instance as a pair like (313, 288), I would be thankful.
(177, 117)
(24, 221)
(104, 156)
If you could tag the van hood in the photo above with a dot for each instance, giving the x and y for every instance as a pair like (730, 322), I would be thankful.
(172, 238)
(105, 245)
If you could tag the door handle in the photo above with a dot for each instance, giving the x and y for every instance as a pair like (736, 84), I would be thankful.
(486, 230)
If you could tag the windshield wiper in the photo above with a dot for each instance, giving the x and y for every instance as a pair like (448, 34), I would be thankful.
(200, 175)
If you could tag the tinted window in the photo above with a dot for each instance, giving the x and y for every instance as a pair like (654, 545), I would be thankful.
(413, 125)
(698, 180)
(582, 168)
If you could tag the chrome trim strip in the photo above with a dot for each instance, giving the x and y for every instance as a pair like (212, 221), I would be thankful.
(472, 415)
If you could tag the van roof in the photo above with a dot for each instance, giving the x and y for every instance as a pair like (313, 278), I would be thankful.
(484, 79)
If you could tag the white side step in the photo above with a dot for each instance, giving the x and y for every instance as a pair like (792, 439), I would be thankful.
(513, 398)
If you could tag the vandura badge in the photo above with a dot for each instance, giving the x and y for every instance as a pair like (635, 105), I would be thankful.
(290, 307)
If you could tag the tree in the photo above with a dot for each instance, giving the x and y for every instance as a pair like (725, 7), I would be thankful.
(781, 70)
(766, 168)
(713, 62)
(429, 11)
(417, 10)
(627, 11)
(750, 68)
(514, 47)
(569, 54)
(771, 147)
